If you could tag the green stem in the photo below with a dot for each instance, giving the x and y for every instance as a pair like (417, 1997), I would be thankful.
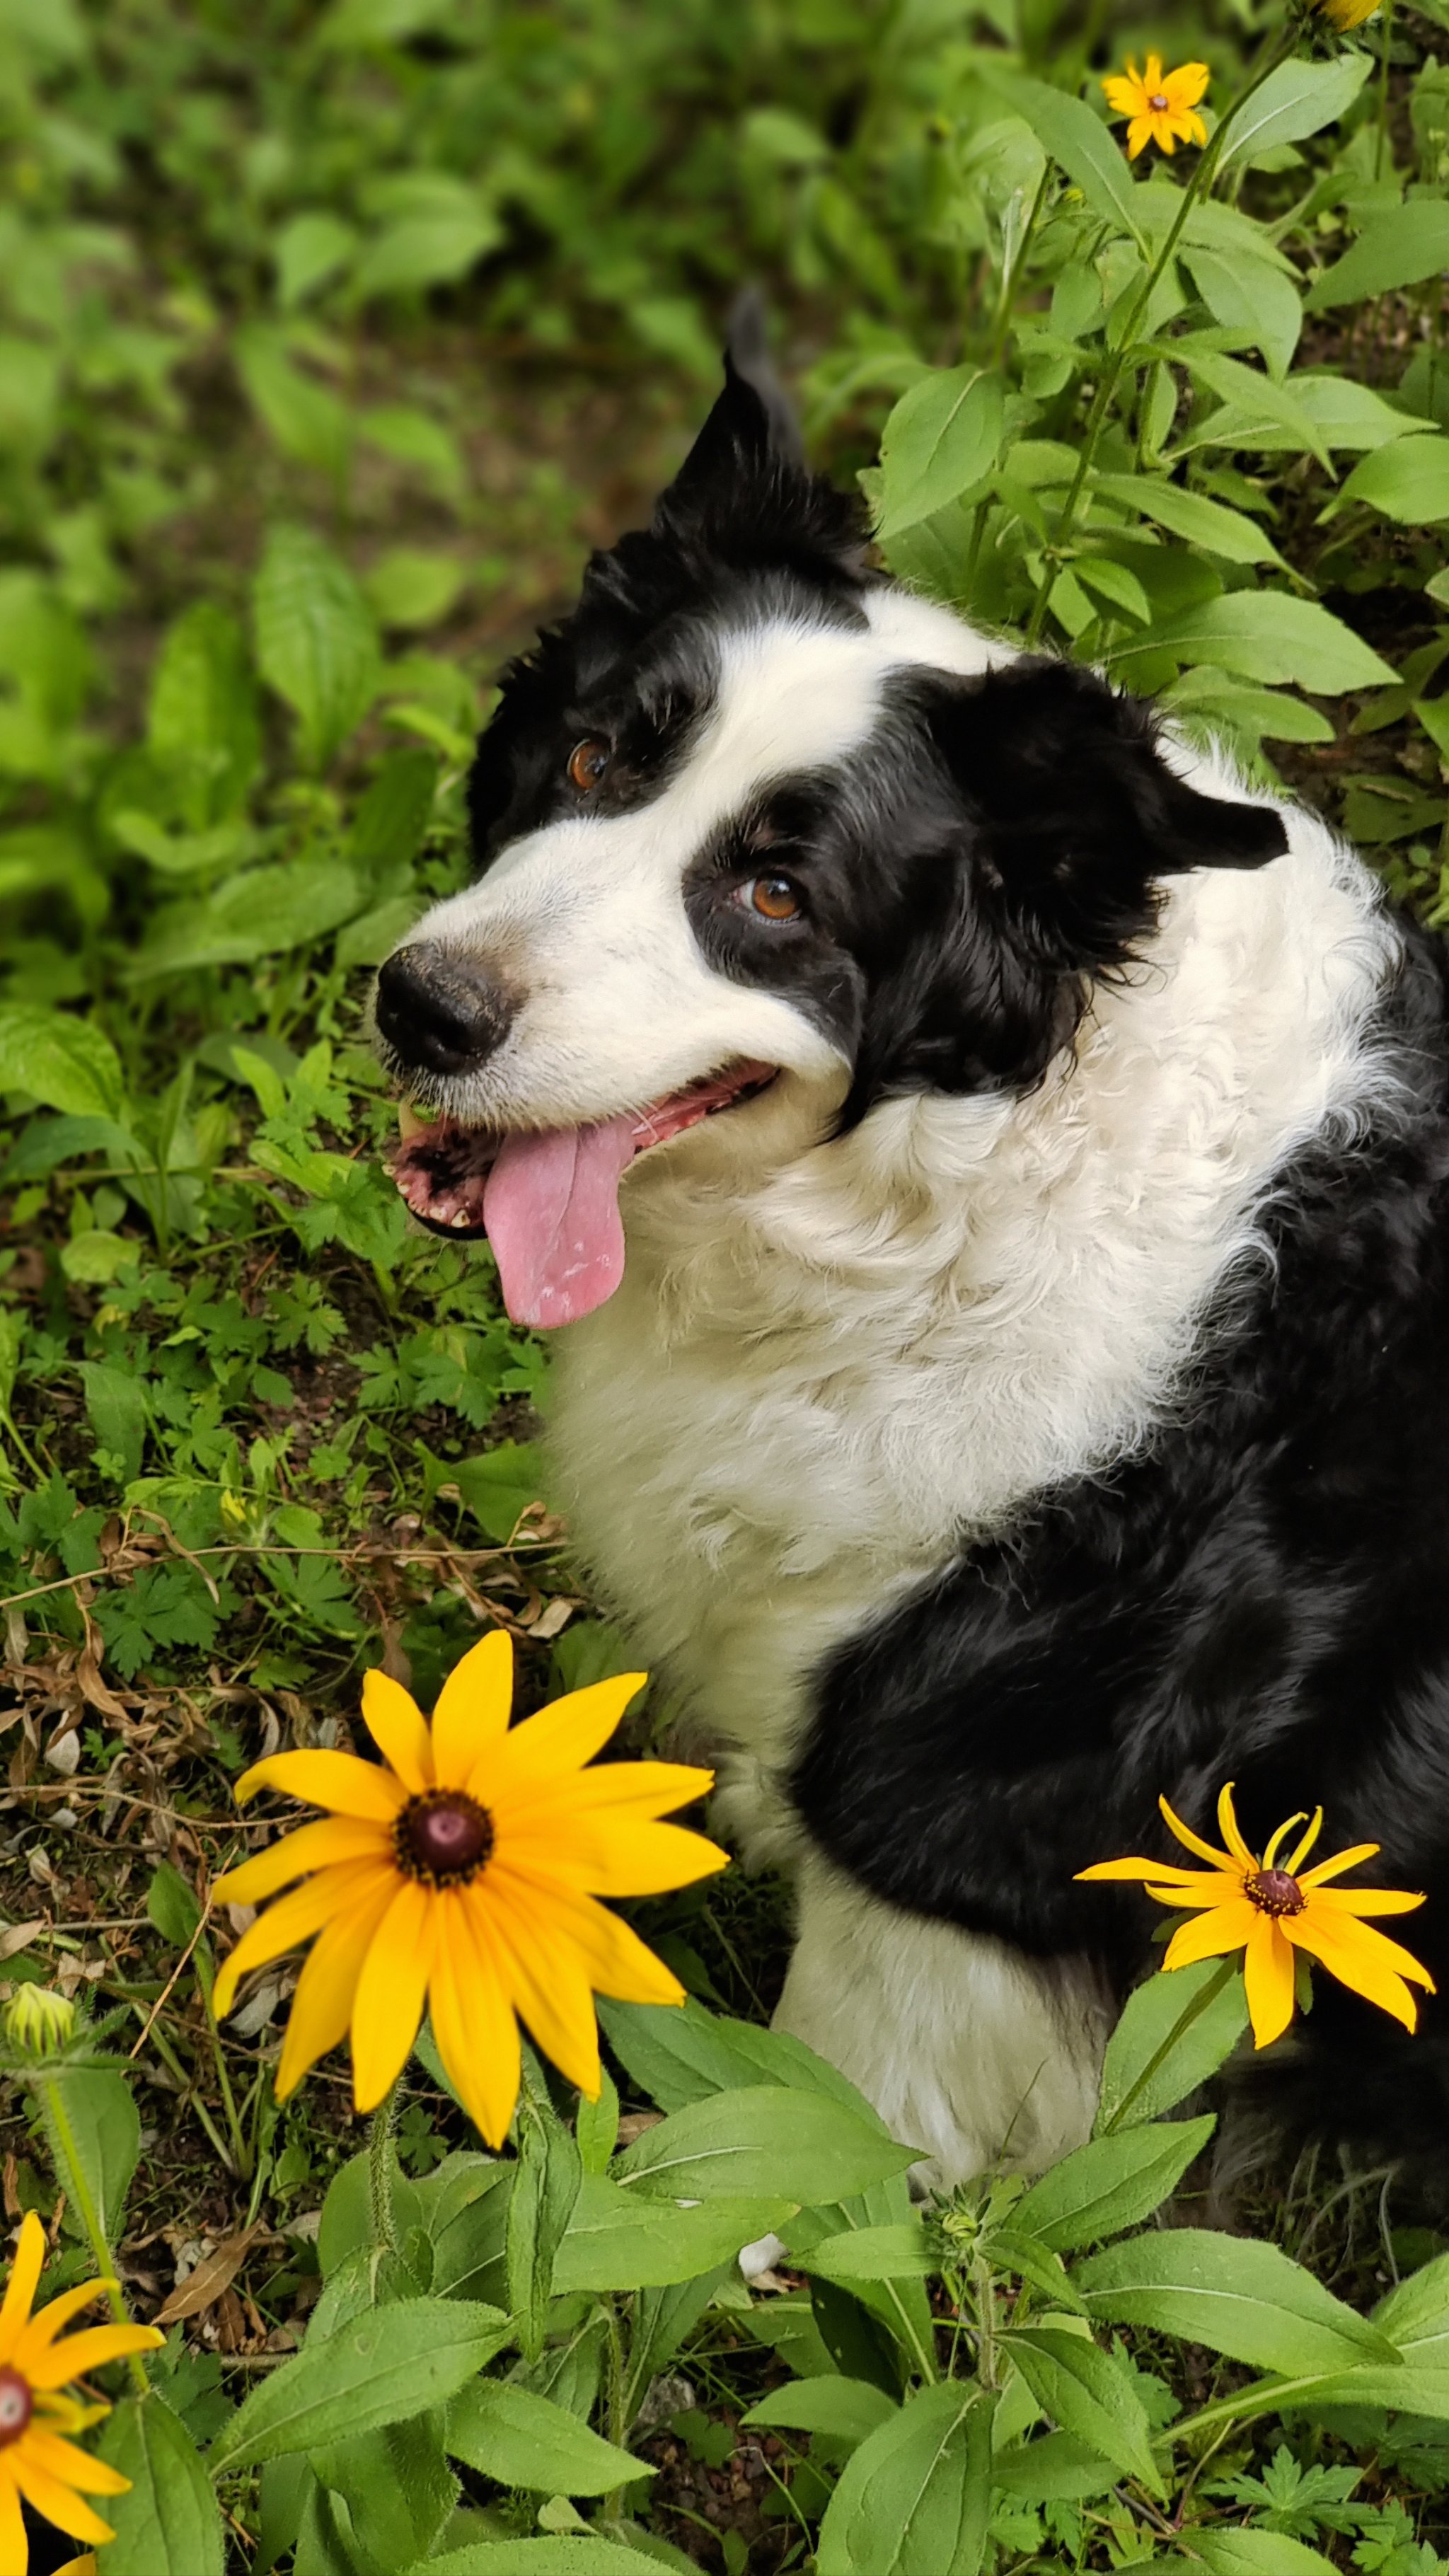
(1013, 276)
(71, 2173)
(1116, 359)
(381, 2157)
(1386, 29)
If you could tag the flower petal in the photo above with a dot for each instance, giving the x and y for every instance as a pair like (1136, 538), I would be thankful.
(614, 1788)
(473, 1708)
(48, 2321)
(391, 1988)
(293, 1920)
(327, 1986)
(561, 1738)
(1335, 1867)
(474, 2023)
(1365, 1900)
(1268, 1973)
(1349, 1938)
(331, 1838)
(1363, 1972)
(1229, 1829)
(543, 1976)
(59, 2504)
(1139, 135)
(1124, 97)
(77, 2355)
(23, 2283)
(613, 1958)
(1302, 1849)
(1208, 1887)
(1227, 1927)
(325, 1779)
(1184, 87)
(76, 2468)
(1194, 1842)
(613, 1859)
(399, 1729)
(14, 2546)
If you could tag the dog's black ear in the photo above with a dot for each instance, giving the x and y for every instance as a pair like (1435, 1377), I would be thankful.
(1077, 811)
(1053, 816)
(744, 496)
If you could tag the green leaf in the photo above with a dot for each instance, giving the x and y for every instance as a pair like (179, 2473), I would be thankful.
(914, 2499)
(763, 2139)
(1243, 2552)
(1175, 2031)
(306, 419)
(308, 250)
(172, 1905)
(940, 440)
(202, 725)
(1296, 100)
(899, 2253)
(546, 2183)
(499, 1486)
(1230, 534)
(1055, 2466)
(1408, 481)
(316, 642)
(170, 2523)
(623, 2240)
(520, 2440)
(423, 250)
(385, 2366)
(1252, 297)
(1415, 2316)
(1257, 396)
(1090, 2394)
(414, 586)
(261, 913)
(116, 1403)
(103, 2128)
(1111, 2183)
(545, 2557)
(396, 2485)
(65, 1062)
(1400, 248)
(680, 2053)
(1206, 698)
(846, 2410)
(1265, 635)
(1231, 2293)
(1076, 137)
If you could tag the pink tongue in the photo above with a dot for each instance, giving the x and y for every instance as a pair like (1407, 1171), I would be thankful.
(551, 1208)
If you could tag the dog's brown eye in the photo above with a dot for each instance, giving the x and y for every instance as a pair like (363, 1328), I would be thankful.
(774, 898)
(588, 762)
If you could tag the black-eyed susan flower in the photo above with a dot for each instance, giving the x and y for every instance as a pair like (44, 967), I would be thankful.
(39, 2459)
(1270, 1909)
(1346, 14)
(1160, 104)
(463, 1872)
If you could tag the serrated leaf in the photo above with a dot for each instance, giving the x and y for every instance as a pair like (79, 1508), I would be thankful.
(914, 2499)
(383, 2367)
(1399, 248)
(624, 2240)
(1265, 635)
(564, 2556)
(104, 2127)
(898, 2253)
(1088, 2393)
(520, 2440)
(1174, 2032)
(1246, 2552)
(1415, 2316)
(1234, 2295)
(1054, 2466)
(762, 2139)
(169, 2524)
(316, 641)
(940, 440)
(1111, 2183)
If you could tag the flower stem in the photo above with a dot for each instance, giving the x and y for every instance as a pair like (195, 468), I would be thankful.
(1116, 359)
(1383, 152)
(381, 2159)
(71, 2172)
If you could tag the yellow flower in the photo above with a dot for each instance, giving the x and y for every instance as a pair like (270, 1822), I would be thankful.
(463, 1871)
(37, 2461)
(1345, 14)
(1160, 103)
(1268, 1912)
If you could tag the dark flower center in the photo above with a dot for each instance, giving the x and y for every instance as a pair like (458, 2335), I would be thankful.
(1274, 1892)
(442, 1837)
(1157, 102)
(17, 2405)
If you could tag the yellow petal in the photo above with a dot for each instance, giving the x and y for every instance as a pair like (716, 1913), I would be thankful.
(1192, 129)
(76, 2468)
(1335, 1867)
(80, 2354)
(612, 1957)
(542, 1975)
(1228, 1828)
(473, 1708)
(607, 1789)
(1139, 135)
(23, 2283)
(327, 1986)
(561, 1738)
(86, 2566)
(1184, 87)
(14, 2547)
(1364, 1900)
(1227, 1927)
(1268, 1973)
(608, 1859)
(388, 2005)
(1123, 96)
(399, 1730)
(1352, 1938)
(1301, 1850)
(293, 1920)
(325, 1779)
(1194, 1842)
(1188, 1886)
(1275, 1841)
(474, 2023)
(1152, 75)
(332, 1838)
(49, 2320)
(1362, 1970)
(59, 2504)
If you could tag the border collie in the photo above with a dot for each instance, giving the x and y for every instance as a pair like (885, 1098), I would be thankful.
(988, 1161)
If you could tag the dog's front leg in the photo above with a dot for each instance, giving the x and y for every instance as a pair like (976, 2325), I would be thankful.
(969, 2050)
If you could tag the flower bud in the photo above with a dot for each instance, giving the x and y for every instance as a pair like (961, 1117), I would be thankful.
(39, 2021)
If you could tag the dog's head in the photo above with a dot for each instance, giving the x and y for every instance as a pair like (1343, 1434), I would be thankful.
(761, 837)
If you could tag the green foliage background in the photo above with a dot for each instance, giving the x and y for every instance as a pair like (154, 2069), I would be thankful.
(331, 336)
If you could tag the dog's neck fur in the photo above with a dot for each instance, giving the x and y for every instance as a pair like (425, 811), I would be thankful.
(824, 1375)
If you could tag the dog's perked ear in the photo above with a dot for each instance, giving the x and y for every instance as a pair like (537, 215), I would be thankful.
(1066, 815)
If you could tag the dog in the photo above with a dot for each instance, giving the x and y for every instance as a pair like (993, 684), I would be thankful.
(988, 1164)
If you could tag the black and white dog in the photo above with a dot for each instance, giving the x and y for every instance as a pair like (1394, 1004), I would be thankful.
(990, 1163)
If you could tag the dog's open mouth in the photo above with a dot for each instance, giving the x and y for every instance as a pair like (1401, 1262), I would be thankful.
(549, 1202)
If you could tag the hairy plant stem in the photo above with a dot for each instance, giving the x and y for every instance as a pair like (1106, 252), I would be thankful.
(1116, 359)
(381, 2157)
(65, 2154)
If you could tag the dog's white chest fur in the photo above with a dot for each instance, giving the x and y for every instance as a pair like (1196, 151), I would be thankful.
(818, 1382)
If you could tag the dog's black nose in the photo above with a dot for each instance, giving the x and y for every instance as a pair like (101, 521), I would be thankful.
(437, 1011)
